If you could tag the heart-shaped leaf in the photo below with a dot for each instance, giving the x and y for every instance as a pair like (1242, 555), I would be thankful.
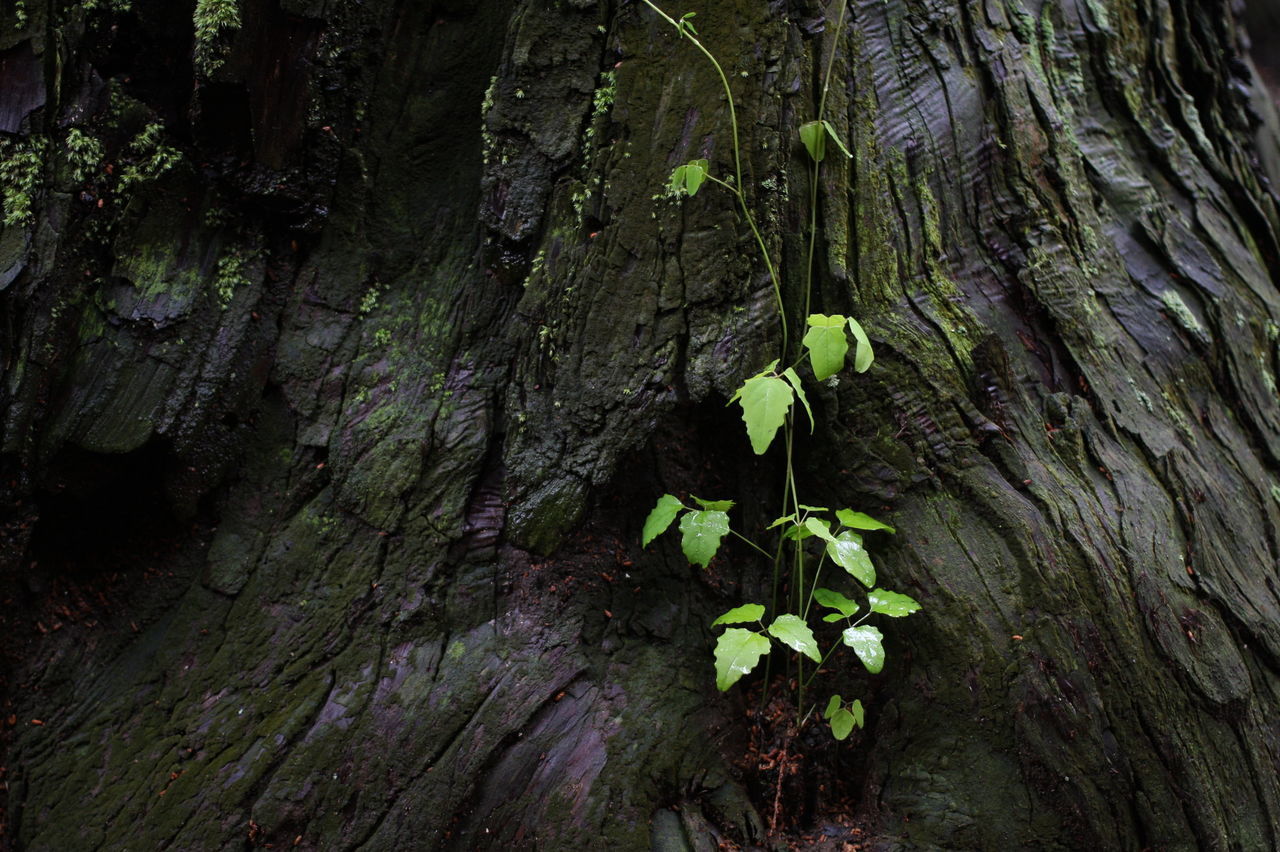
(842, 723)
(737, 652)
(827, 344)
(701, 534)
(867, 642)
(695, 172)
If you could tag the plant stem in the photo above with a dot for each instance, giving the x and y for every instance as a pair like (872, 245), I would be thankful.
(750, 542)
(737, 189)
(813, 182)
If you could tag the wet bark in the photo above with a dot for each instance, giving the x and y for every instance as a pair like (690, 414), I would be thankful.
(327, 441)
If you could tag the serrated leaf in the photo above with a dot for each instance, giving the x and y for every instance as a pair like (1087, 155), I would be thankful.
(861, 521)
(737, 652)
(836, 601)
(741, 615)
(701, 534)
(842, 723)
(859, 716)
(827, 345)
(714, 505)
(862, 356)
(891, 603)
(814, 139)
(835, 137)
(790, 375)
(660, 518)
(695, 173)
(820, 528)
(867, 642)
(792, 631)
(847, 552)
(832, 706)
(765, 401)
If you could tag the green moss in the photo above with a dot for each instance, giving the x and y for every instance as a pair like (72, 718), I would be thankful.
(213, 19)
(1182, 315)
(150, 157)
(230, 276)
(21, 162)
(83, 153)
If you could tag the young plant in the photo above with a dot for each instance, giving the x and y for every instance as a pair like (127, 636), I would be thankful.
(808, 536)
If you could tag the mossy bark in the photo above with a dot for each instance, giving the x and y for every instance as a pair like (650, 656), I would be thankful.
(361, 401)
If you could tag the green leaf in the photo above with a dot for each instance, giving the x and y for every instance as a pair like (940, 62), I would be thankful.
(827, 344)
(832, 616)
(737, 652)
(861, 521)
(866, 642)
(790, 375)
(714, 505)
(891, 603)
(836, 601)
(859, 715)
(695, 172)
(741, 615)
(832, 706)
(847, 552)
(813, 508)
(660, 518)
(780, 521)
(685, 25)
(765, 402)
(835, 137)
(791, 631)
(701, 533)
(820, 528)
(842, 723)
(815, 141)
(676, 182)
(796, 532)
(767, 371)
(863, 356)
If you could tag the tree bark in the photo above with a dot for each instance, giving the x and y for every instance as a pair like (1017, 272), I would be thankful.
(327, 440)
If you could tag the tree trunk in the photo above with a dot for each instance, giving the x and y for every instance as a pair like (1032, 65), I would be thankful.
(340, 375)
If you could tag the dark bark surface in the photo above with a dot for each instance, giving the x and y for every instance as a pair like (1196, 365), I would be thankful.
(338, 382)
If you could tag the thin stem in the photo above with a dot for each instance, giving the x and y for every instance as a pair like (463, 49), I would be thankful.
(737, 166)
(813, 182)
(766, 553)
(817, 572)
(821, 664)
